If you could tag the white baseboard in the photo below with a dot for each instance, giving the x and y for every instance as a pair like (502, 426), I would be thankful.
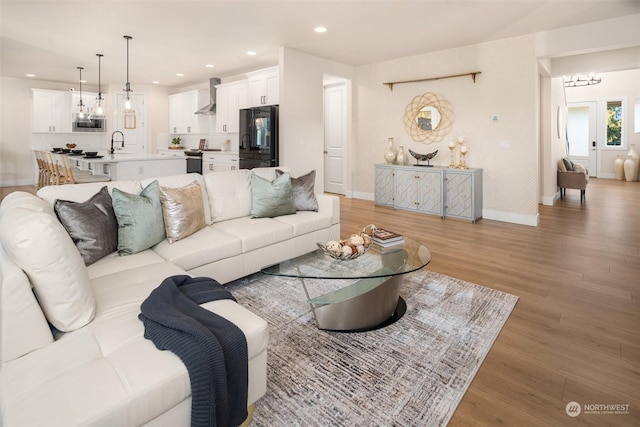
(550, 201)
(363, 196)
(17, 183)
(531, 220)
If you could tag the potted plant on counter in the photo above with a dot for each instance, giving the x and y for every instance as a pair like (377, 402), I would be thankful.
(176, 143)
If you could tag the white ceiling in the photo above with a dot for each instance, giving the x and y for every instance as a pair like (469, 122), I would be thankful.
(51, 38)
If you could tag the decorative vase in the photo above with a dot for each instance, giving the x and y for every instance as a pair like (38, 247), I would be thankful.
(629, 168)
(636, 161)
(619, 167)
(390, 153)
(400, 157)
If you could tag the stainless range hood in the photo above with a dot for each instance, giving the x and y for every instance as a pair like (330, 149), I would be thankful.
(211, 108)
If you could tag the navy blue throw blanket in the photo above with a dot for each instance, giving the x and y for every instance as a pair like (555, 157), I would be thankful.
(213, 349)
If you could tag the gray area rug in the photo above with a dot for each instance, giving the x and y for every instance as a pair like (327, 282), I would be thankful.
(411, 373)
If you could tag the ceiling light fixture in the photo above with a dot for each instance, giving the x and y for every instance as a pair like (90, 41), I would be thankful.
(80, 115)
(127, 106)
(209, 65)
(99, 109)
(251, 53)
(30, 75)
(578, 80)
(179, 74)
(320, 29)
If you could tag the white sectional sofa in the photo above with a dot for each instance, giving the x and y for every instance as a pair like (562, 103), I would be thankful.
(106, 373)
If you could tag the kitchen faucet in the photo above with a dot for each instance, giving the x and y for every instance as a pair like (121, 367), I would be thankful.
(112, 141)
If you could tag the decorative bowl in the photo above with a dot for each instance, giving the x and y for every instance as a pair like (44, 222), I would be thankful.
(351, 248)
(76, 151)
(90, 153)
(57, 149)
(65, 150)
(71, 145)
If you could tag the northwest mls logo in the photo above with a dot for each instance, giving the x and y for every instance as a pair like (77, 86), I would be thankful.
(573, 409)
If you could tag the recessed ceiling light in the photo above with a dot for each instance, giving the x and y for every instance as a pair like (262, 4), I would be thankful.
(155, 82)
(179, 74)
(83, 81)
(320, 29)
(30, 75)
(251, 53)
(209, 65)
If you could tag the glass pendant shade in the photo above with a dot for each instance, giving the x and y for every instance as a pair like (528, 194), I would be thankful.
(127, 108)
(81, 114)
(99, 109)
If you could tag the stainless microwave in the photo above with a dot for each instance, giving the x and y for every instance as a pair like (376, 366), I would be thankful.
(90, 125)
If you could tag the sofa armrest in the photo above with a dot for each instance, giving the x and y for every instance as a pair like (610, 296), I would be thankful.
(329, 204)
(575, 180)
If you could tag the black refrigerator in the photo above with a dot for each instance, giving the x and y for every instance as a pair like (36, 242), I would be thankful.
(259, 137)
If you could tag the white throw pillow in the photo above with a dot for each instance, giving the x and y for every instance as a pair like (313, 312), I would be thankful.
(229, 194)
(36, 241)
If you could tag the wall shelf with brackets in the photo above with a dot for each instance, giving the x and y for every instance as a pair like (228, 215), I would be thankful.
(473, 75)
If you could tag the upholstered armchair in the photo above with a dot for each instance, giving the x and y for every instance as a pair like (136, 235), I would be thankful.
(574, 176)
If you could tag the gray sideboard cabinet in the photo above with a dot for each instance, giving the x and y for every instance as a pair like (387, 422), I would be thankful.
(438, 191)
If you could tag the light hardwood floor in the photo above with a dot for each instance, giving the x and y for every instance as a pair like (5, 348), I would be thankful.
(574, 334)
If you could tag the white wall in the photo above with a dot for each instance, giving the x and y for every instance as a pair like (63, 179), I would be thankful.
(302, 111)
(508, 87)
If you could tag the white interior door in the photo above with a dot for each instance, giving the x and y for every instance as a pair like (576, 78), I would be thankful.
(134, 132)
(335, 137)
(582, 134)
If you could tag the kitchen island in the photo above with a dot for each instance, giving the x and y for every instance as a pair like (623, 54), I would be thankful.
(130, 166)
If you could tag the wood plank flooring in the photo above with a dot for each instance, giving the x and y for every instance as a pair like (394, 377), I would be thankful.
(575, 333)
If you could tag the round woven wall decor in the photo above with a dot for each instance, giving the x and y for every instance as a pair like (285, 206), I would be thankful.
(428, 99)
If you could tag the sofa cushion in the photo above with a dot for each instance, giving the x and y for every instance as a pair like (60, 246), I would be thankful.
(303, 189)
(182, 211)
(271, 198)
(114, 263)
(255, 233)
(36, 241)
(305, 222)
(23, 327)
(176, 181)
(203, 247)
(229, 194)
(92, 225)
(269, 173)
(140, 223)
(82, 192)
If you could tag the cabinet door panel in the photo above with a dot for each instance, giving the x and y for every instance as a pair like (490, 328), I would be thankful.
(405, 194)
(429, 192)
(385, 186)
(459, 201)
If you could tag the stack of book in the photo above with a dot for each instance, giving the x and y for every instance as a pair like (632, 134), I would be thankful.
(386, 240)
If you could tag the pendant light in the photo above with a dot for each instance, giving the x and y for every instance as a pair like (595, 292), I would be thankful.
(81, 114)
(127, 107)
(99, 109)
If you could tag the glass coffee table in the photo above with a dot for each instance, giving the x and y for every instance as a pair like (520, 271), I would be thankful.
(358, 294)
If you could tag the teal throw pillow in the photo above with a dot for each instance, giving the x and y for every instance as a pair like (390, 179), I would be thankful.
(568, 164)
(140, 223)
(269, 199)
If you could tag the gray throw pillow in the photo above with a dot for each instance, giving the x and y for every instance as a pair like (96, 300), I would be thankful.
(303, 189)
(140, 223)
(92, 225)
(269, 199)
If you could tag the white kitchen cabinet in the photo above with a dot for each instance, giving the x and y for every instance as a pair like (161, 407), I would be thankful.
(264, 87)
(51, 111)
(436, 190)
(171, 153)
(230, 98)
(182, 108)
(219, 162)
